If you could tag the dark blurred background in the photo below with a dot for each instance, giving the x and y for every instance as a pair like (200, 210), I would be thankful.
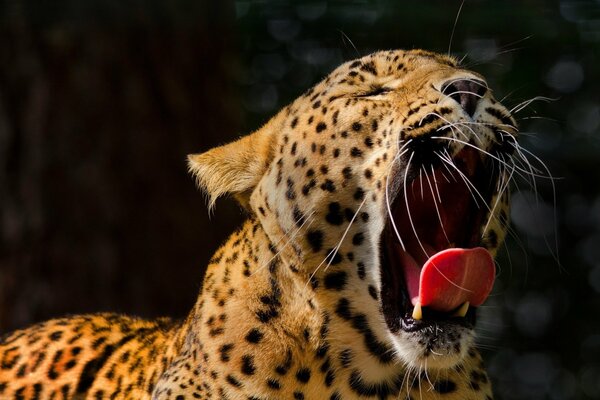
(101, 100)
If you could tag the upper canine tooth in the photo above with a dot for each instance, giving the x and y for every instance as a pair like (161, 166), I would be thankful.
(417, 312)
(462, 311)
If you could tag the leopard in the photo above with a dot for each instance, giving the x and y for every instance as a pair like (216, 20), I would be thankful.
(375, 205)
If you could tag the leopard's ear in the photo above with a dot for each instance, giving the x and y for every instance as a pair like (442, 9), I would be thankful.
(234, 168)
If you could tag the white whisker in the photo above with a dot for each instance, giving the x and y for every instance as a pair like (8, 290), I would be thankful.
(519, 107)
(486, 153)
(437, 210)
(414, 229)
(337, 248)
(331, 255)
(387, 193)
(294, 234)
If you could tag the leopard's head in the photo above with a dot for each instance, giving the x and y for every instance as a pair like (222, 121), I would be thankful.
(384, 189)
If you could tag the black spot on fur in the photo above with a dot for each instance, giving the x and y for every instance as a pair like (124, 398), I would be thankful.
(9, 362)
(359, 194)
(328, 185)
(91, 368)
(298, 216)
(355, 152)
(315, 240)
(347, 172)
(324, 331)
(369, 67)
(349, 213)
(329, 378)
(334, 118)
(266, 315)
(359, 322)
(303, 375)
(224, 351)
(273, 384)
(334, 216)
(361, 270)
(248, 367)
(444, 386)
(343, 308)
(290, 194)
(358, 239)
(335, 280)
(322, 350)
(233, 381)
(283, 369)
(314, 282)
(373, 292)
(306, 188)
(505, 119)
(370, 389)
(334, 257)
(346, 358)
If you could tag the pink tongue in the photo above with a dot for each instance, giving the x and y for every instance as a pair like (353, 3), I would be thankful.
(450, 277)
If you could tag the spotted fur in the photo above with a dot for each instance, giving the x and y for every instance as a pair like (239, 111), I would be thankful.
(290, 307)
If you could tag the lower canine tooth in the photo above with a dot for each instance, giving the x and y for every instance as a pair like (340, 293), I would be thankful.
(417, 312)
(462, 311)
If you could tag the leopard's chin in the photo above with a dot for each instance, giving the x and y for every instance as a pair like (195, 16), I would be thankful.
(436, 219)
(441, 345)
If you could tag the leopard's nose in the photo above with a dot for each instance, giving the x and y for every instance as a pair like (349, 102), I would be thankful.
(466, 92)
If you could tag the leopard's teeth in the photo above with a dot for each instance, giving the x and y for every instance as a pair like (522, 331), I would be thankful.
(462, 310)
(417, 313)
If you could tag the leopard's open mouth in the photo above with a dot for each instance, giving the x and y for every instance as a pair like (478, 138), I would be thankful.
(435, 267)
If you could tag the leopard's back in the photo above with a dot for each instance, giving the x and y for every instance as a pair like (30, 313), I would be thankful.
(86, 356)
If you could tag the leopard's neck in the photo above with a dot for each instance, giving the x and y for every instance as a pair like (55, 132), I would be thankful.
(260, 329)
